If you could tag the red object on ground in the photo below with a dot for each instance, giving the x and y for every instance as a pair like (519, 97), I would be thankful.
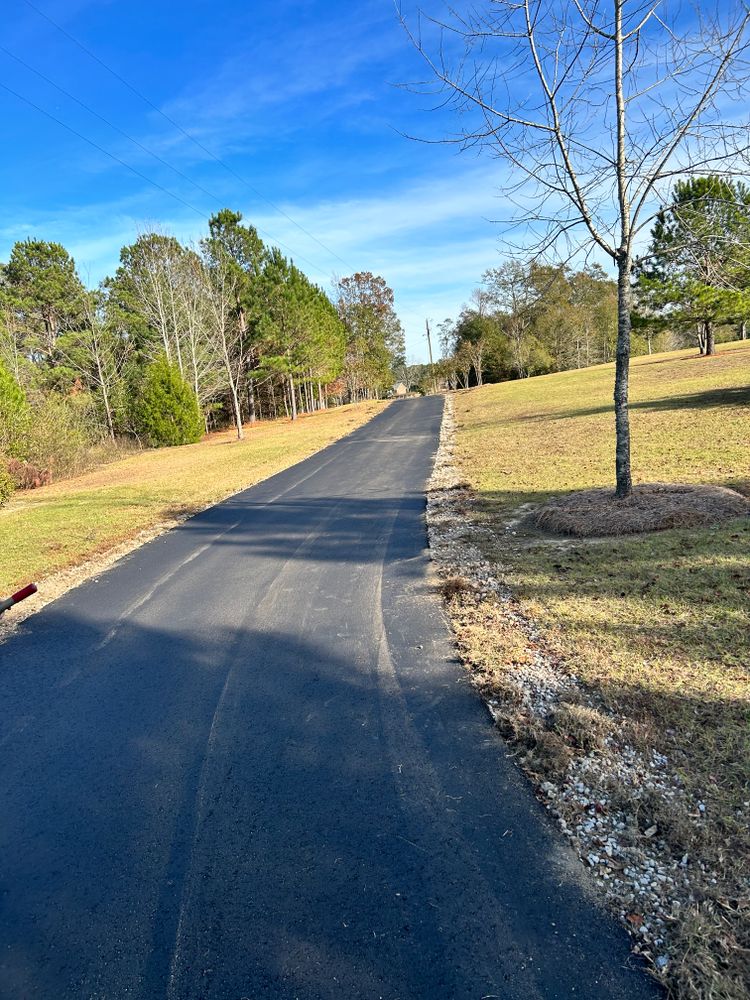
(24, 592)
(20, 595)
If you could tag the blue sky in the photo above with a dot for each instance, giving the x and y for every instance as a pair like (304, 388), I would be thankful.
(300, 99)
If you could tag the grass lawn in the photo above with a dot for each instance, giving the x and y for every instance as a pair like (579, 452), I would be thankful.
(657, 625)
(62, 525)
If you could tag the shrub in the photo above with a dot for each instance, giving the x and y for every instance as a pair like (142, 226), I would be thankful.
(15, 416)
(26, 475)
(166, 410)
(62, 433)
(6, 484)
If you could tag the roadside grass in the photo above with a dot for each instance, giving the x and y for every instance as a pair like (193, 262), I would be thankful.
(60, 526)
(656, 625)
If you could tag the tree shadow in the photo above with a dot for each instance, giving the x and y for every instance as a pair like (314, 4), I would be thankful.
(202, 811)
(735, 396)
(662, 618)
(336, 528)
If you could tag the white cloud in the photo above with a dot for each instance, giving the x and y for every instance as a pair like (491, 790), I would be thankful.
(427, 238)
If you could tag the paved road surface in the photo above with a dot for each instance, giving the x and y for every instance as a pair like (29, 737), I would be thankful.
(244, 764)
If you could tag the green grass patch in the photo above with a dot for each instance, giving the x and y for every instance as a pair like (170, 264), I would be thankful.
(657, 624)
(62, 525)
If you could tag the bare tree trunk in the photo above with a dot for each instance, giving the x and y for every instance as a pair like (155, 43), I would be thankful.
(710, 338)
(292, 397)
(105, 399)
(743, 330)
(110, 424)
(622, 373)
(286, 399)
(237, 411)
(623, 478)
(701, 338)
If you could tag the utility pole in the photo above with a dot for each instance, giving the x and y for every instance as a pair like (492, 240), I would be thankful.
(429, 348)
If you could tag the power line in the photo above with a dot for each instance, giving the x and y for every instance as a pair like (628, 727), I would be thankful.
(96, 114)
(101, 149)
(123, 163)
(176, 125)
(140, 145)
(137, 172)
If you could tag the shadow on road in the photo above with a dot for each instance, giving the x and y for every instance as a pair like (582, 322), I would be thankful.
(240, 813)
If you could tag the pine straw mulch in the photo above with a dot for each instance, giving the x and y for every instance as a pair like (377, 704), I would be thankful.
(650, 507)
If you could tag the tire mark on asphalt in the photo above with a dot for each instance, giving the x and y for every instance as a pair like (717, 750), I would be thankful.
(422, 799)
(163, 970)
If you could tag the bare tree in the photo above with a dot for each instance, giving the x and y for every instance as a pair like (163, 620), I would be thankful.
(476, 349)
(596, 105)
(99, 351)
(153, 265)
(514, 295)
(224, 329)
(204, 364)
(464, 362)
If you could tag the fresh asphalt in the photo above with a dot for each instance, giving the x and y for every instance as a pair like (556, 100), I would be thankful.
(244, 763)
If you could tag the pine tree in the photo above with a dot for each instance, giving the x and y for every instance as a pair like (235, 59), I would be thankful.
(166, 410)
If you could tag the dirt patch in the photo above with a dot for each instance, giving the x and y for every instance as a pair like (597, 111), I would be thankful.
(651, 507)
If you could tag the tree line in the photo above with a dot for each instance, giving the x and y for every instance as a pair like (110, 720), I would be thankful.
(691, 285)
(180, 340)
(596, 110)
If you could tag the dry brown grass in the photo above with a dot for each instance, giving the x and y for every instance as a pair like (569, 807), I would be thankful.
(651, 507)
(60, 526)
(582, 726)
(454, 586)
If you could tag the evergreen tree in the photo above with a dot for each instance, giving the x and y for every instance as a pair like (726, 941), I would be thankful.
(42, 280)
(696, 273)
(166, 410)
(375, 338)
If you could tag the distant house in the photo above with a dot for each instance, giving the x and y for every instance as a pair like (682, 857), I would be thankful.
(400, 389)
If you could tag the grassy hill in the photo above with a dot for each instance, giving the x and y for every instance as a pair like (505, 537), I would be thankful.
(60, 526)
(657, 626)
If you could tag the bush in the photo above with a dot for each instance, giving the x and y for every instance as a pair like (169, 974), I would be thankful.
(26, 475)
(62, 433)
(166, 411)
(6, 484)
(15, 416)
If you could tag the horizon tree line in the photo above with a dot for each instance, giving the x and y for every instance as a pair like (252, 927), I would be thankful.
(690, 285)
(228, 329)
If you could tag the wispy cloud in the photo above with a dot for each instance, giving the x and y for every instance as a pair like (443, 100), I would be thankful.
(423, 237)
(257, 92)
